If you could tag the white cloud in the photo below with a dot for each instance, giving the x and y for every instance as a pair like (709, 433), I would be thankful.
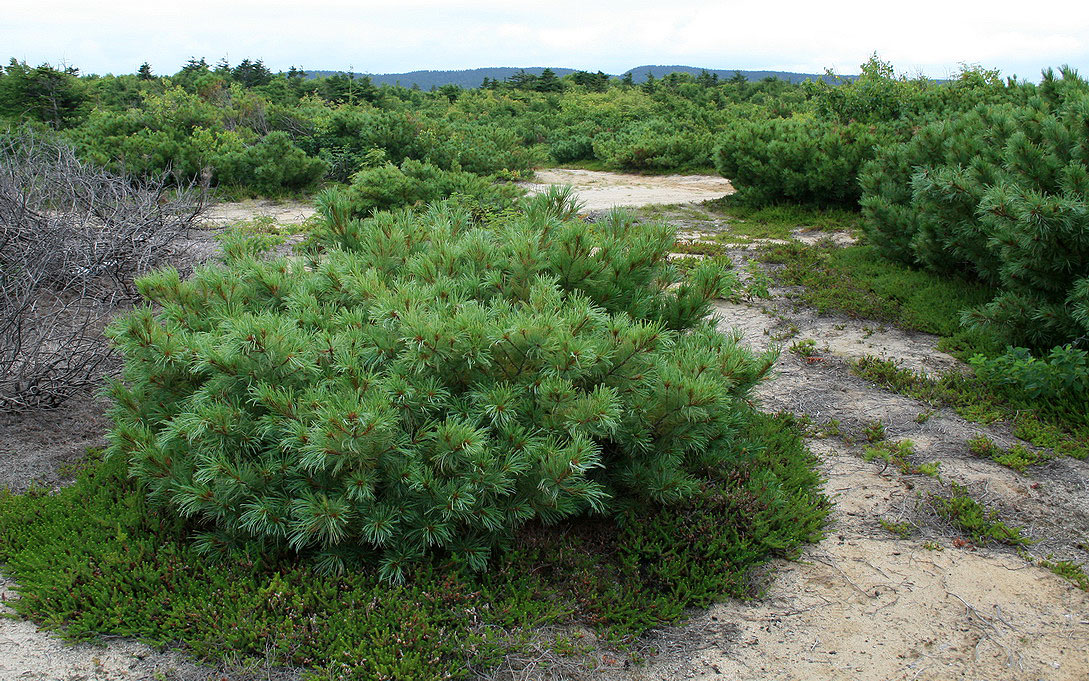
(927, 35)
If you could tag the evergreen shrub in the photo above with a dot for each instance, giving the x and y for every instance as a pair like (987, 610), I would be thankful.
(801, 159)
(1002, 194)
(417, 182)
(655, 144)
(425, 383)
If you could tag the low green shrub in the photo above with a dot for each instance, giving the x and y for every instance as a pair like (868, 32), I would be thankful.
(1057, 383)
(426, 384)
(272, 165)
(655, 144)
(979, 523)
(97, 559)
(801, 159)
(415, 182)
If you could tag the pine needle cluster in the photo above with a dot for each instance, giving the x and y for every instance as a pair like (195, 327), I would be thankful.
(423, 382)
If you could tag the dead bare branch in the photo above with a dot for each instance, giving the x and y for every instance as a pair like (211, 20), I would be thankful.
(72, 239)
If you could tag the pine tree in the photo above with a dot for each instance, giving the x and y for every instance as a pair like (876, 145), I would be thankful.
(425, 384)
(1000, 193)
(144, 72)
(548, 82)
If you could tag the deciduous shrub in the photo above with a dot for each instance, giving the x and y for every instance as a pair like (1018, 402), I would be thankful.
(72, 237)
(427, 384)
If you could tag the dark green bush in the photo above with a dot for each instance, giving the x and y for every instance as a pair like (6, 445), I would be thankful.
(802, 159)
(1000, 193)
(568, 149)
(414, 182)
(426, 384)
(271, 165)
(655, 144)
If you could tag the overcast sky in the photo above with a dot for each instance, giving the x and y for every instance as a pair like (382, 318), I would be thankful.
(922, 36)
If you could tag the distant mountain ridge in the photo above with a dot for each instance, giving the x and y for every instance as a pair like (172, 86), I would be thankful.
(472, 78)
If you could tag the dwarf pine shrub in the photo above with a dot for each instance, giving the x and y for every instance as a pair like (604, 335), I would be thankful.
(1002, 194)
(803, 159)
(424, 383)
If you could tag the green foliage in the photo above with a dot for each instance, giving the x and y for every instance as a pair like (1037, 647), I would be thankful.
(979, 523)
(100, 542)
(858, 282)
(899, 454)
(978, 400)
(655, 144)
(270, 166)
(413, 183)
(42, 93)
(1018, 457)
(801, 159)
(970, 397)
(903, 530)
(1056, 384)
(1068, 570)
(1001, 193)
(879, 95)
(427, 384)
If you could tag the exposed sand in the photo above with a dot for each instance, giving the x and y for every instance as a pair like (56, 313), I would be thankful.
(602, 190)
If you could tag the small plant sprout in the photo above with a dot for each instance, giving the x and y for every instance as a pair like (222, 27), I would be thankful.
(874, 432)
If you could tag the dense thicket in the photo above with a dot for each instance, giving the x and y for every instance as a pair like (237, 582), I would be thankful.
(815, 154)
(426, 382)
(247, 128)
(999, 193)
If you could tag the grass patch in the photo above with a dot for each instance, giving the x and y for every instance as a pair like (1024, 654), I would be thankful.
(1068, 570)
(95, 559)
(967, 395)
(1018, 457)
(858, 282)
(903, 530)
(979, 524)
(779, 221)
(975, 400)
(898, 454)
(698, 248)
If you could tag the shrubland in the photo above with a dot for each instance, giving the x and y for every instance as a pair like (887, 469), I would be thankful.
(402, 452)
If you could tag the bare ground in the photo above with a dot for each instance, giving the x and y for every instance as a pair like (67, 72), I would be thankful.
(603, 190)
(861, 604)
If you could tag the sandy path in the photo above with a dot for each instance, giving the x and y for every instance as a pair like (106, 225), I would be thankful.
(864, 604)
(602, 190)
(287, 212)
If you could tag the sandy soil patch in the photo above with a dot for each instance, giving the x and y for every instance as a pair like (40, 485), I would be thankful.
(287, 212)
(603, 190)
